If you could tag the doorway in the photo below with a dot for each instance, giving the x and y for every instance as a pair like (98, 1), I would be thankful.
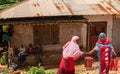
(95, 29)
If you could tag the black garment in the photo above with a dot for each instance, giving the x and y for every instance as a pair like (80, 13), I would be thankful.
(14, 66)
(4, 44)
(1, 34)
(38, 51)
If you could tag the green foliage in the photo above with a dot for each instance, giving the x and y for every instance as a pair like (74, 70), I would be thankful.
(6, 3)
(50, 72)
(5, 71)
(36, 70)
(4, 59)
(39, 70)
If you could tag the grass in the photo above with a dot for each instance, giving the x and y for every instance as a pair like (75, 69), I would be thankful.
(8, 4)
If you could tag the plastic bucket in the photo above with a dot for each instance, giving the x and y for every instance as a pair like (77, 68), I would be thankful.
(88, 62)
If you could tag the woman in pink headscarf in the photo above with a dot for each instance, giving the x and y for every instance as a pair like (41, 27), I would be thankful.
(71, 52)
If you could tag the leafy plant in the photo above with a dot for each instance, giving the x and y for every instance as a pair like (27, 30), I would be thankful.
(36, 70)
(5, 71)
(39, 70)
(4, 58)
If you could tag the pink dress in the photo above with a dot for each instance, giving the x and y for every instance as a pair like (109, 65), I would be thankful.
(71, 52)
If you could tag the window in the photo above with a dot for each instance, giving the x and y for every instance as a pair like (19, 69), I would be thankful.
(46, 33)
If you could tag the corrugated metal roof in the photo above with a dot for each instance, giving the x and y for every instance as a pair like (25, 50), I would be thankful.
(38, 8)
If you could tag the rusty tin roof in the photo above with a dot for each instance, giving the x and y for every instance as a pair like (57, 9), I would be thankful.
(39, 8)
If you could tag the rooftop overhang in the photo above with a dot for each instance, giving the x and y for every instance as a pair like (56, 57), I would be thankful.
(44, 19)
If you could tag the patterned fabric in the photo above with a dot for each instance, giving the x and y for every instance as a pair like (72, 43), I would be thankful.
(104, 52)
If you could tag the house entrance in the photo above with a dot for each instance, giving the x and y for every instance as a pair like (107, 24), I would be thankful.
(95, 29)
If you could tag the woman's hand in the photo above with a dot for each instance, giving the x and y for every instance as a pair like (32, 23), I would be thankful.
(91, 52)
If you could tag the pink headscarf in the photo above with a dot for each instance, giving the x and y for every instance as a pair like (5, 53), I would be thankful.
(71, 49)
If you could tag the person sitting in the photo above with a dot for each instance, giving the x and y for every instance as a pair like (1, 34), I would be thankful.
(11, 63)
(30, 49)
(21, 55)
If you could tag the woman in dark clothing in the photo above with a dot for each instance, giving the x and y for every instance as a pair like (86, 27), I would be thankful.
(38, 50)
(30, 49)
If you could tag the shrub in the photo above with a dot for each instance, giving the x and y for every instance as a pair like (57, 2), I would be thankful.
(39, 70)
(36, 70)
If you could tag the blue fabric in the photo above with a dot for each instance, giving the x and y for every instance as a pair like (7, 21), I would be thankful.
(98, 51)
(101, 35)
(21, 57)
(7, 37)
(96, 48)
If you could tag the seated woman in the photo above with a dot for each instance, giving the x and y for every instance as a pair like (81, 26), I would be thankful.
(30, 49)
(21, 55)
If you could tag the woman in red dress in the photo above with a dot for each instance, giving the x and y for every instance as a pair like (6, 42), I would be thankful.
(104, 50)
(71, 52)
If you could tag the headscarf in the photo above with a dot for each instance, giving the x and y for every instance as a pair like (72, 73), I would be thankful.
(106, 41)
(102, 34)
(71, 49)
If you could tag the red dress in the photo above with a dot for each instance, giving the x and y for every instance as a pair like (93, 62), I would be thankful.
(66, 66)
(104, 50)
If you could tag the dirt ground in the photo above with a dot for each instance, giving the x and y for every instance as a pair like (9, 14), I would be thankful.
(80, 69)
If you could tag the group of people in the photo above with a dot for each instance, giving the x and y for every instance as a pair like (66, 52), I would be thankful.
(37, 50)
(72, 52)
(22, 52)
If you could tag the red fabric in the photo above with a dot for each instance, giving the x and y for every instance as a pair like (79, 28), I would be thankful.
(105, 49)
(114, 64)
(107, 41)
(88, 62)
(104, 59)
(104, 56)
(67, 66)
(71, 64)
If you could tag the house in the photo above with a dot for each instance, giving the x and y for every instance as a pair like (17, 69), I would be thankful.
(53, 22)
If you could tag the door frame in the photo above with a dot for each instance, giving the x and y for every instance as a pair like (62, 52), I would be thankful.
(95, 28)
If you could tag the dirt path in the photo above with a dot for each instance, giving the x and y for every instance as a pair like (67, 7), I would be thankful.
(80, 69)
